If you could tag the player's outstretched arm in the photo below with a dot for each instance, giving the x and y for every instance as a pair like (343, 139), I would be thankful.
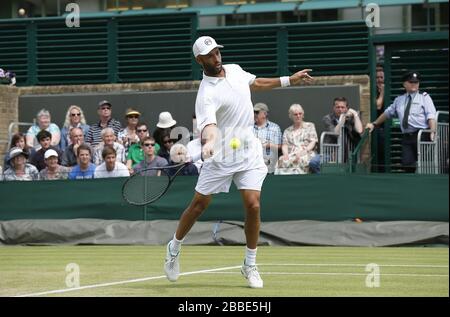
(261, 84)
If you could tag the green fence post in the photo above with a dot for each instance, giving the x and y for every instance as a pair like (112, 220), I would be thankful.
(282, 51)
(112, 51)
(31, 54)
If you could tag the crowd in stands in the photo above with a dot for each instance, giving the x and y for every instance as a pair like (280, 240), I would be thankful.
(105, 149)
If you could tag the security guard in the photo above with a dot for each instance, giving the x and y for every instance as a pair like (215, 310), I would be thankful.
(415, 110)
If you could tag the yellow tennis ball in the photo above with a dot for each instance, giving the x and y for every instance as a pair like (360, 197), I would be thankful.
(235, 143)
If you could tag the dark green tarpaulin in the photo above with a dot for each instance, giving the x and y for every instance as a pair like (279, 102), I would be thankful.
(326, 197)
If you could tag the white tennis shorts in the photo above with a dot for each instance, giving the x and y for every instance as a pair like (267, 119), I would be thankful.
(213, 181)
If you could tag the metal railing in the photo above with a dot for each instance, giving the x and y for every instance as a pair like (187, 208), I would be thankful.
(432, 156)
(335, 147)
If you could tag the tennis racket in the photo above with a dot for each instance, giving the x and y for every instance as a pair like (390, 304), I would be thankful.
(150, 184)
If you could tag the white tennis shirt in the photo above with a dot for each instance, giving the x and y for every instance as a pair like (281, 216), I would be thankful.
(226, 102)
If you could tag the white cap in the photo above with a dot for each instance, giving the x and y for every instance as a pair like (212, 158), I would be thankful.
(50, 153)
(165, 120)
(204, 45)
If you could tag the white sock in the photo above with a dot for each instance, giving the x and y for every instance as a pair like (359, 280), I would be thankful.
(250, 256)
(175, 245)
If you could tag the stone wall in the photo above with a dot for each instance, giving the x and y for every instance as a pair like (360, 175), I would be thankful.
(9, 112)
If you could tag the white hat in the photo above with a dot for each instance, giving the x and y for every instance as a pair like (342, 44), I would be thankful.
(50, 153)
(165, 120)
(16, 151)
(204, 45)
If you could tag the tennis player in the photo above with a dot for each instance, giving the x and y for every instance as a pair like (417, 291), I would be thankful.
(224, 112)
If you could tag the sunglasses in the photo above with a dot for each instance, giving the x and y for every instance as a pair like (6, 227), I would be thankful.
(105, 108)
(75, 114)
(133, 117)
(256, 112)
(149, 144)
(141, 130)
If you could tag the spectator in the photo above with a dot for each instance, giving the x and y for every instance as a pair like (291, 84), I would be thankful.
(69, 156)
(380, 110)
(299, 142)
(43, 123)
(44, 137)
(269, 133)
(165, 124)
(109, 138)
(84, 169)
(110, 167)
(74, 119)
(166, 145)
(93, 136)
(178, 155)
(128, 136)
(53, 170)
(342, 115)
(18, 140)
(20, 170)
(415, 111)
(150, 159)
(135, 152)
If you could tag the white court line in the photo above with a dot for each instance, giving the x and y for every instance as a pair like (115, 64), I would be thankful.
(66, 290)
(235, 267)
(336, 273)
(353, 264)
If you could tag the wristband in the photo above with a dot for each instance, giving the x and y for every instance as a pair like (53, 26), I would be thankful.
(285, 82)
(374, 124)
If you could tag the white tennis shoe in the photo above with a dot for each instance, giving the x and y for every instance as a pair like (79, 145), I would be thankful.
(250, 272)
(172, 265)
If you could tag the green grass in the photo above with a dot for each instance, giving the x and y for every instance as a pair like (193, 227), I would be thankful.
(286, 271)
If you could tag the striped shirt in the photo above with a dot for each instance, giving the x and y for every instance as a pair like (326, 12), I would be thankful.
(94, 135)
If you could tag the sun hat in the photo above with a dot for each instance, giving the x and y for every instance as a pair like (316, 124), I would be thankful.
(165, 120)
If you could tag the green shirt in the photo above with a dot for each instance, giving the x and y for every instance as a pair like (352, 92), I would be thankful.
(136, 154)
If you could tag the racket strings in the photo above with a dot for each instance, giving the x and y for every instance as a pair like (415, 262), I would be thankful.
(145, 187)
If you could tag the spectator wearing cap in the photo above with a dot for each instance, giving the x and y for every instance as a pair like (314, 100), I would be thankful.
(93, 136)
(74, 119)
(110, 167)
(19, 169)
(415, 111)
(18, 140)
(43, 122)
(44, 137)
(53, 170)
(269, 133)
(165, 124)
(109, 138)
(128, 136)
(84, 169)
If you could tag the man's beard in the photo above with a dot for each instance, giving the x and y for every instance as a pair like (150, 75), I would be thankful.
(212, 70)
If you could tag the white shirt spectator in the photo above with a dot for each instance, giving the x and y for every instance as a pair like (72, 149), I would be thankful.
(120, 170)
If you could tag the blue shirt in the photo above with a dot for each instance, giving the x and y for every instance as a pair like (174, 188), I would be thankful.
(422, 109)
(77, 173)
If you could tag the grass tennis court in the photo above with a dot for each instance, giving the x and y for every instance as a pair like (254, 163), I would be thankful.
(214, 271)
